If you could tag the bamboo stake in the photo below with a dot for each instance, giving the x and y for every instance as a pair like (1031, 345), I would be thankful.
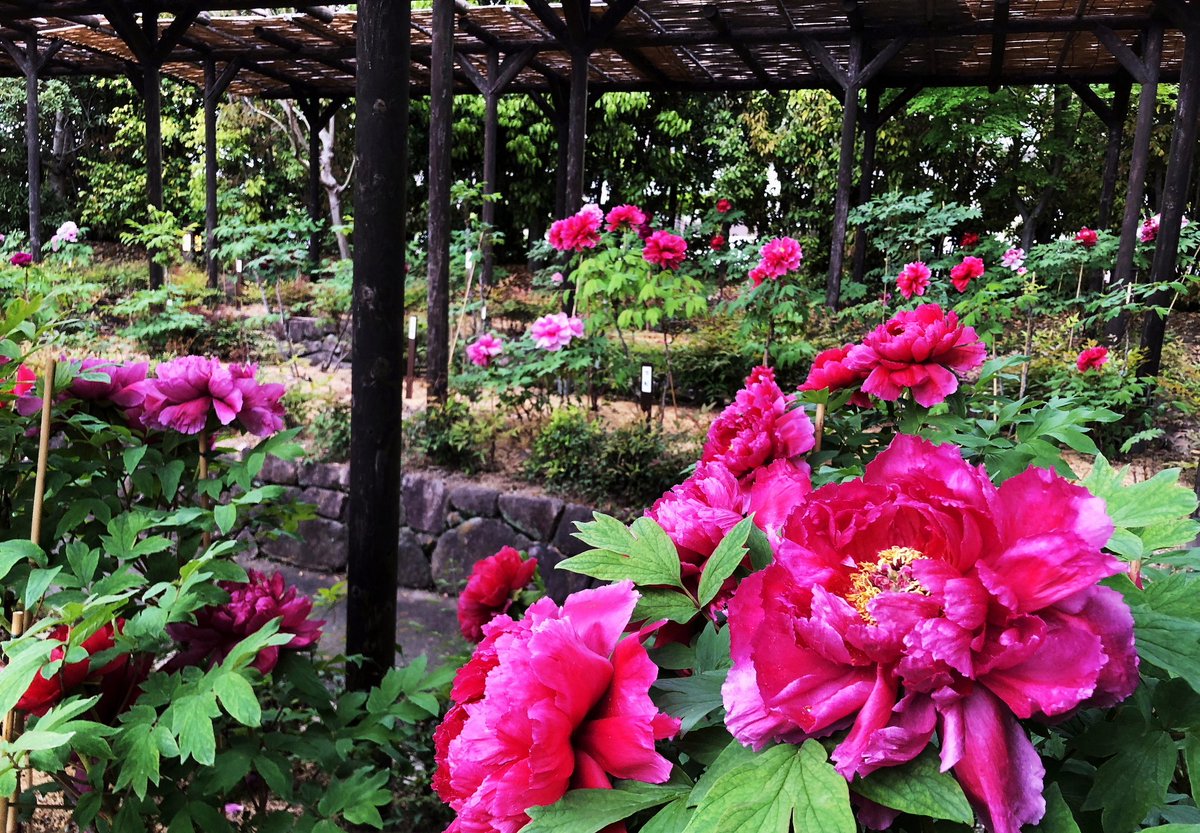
(819, 426)
(14, 722)
(202, 475)
(463, 316)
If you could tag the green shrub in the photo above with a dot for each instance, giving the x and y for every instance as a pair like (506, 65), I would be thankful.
(450, 435)
(329, 431)
(564, 451)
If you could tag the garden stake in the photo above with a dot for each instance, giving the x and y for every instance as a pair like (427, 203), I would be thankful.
(466, 300)
(202, 475)
(13, 721)
(818, 426)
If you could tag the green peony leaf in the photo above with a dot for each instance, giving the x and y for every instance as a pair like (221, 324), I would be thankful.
(1167, 624)
(726, 558)
(641, 553)
(1058, 818)
(587, 811)
(658, 603)
(237, 698)
(692, 698)
(919, 788)
(1133, 782)
(784, 785)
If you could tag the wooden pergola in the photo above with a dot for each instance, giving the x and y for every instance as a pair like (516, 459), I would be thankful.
(874, 55)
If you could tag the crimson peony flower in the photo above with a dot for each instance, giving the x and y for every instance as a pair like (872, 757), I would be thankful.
(758, 274)
(625, 216)
(21, 259)
(43, 693)
(965, 272)
(555, 331)
(969, 240)
(923, 599)
(831, 372)
(1092, 358)
(250, 607)
(780, 256)
(190, 394)
(26, 379)
(921, 350)
(489, 591)
(262, 411)
(1148, 230)
(913, 279)
(717, 243)
(554, 702)
(578, 232)
(484, 349)
(759, 426)
(724, 206)
(665, 250)
(1087, 237)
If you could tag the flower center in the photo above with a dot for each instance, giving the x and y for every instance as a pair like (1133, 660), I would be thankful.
(891, 572)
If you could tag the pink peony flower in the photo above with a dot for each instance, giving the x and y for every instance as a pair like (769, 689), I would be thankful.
(1013, 259)
(724, 206)
(1087, 237)
(262, 410)
(759, 426)
(625, 217)
(557, 278)
(485, 348)
(555, 331)
(250, 607)
(717, 243)
(921, 599)
(965, 272)
(913, 279)
(1148, 230)
(190, 394)
(665, 250)
(489, 591)
(26, 380)
(758, 274)
(21, 259)
(68, 232)
(831, 372)
(554, 702)
(780, 256)
(124, 388)
(924, 350)
(1093, 358)
(577, 232)
(970, 239)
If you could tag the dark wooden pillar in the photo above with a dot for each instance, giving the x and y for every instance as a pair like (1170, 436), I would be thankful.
(562, 132)
(491, 138)
(214, 87)
(1145, 71)
(841, 202)
(441, 116)
(576, 131)
(1179, 176)
(378, 309)
(152, 98)
(1115, 126)
(870, 128)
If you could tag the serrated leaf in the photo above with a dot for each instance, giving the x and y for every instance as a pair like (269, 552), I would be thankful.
(670, 819)
(726, 558)
(1133, 782)
(192, 724)
(237, 698)
(781, 786)
(1167, 625)
(641, 553)
(1160, 499)
(691, 698)
(587, 811)
(657, 603)
(917, 787)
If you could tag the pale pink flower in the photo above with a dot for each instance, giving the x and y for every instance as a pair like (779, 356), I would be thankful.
(555, 331)
(557, 278)
(1013, 259)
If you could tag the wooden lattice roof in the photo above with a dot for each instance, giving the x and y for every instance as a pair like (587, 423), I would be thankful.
(657, 45)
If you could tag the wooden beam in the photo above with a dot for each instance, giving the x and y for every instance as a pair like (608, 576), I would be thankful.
(1132, 63)
(822, 56)
(550, 20)
(617, 11)
(378, 316)
(1112, 159)
(576, 131)
(491, 149)
(1094, 102)
(999, 40)
(898, 103)
(712, 13)
(881, 60)
(510, 69)
(579, 21)
(477, 78)
(869, 120)
(212, 92)
(302, 50)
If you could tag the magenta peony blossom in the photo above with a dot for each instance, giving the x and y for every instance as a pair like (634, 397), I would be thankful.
(965, 272)
(1092, 358)
(923, 599)
(913, 279)
(625, 217)
(124, 388)
(780, 256)
(923, 350)
(485, 348)
(759, 426)
(489, 591)
(21, 259)
(555, 331)
(1087, 237)
(758, 274)
(262, 410)
(665, 250)
(577, 232)
(190, 394)
(251, 605)
(556, 701)
(831, 372)
(1148, 230)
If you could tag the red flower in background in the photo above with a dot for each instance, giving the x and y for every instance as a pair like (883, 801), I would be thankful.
(1087, 237)
(965, 272)
(724, 206)
(44, 692)
(665, 250)
(717, 243)
(1092, 358)
(489, 591)
(969, 240)
(21, 259)
(923, 350)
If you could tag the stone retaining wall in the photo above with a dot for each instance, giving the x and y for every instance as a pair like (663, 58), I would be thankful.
(448, 523)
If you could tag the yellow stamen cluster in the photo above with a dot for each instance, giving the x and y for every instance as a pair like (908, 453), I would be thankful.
(890, 572)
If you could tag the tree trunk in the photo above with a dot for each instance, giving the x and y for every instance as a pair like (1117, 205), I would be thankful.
(333, 188)
(62, 148)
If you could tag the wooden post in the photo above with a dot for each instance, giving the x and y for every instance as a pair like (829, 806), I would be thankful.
(870, 125)
(1112, 157)
(381, 147)
(33, 148)
(311, 107)
(841, 203)
(1138, 164)
(152, 96)
(562, 133)
(441, 115)
(576, 131)
(491, 129)
(210, 171)
(1179, 175)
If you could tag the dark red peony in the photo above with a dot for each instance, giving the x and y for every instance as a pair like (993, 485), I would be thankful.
(490, 590)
